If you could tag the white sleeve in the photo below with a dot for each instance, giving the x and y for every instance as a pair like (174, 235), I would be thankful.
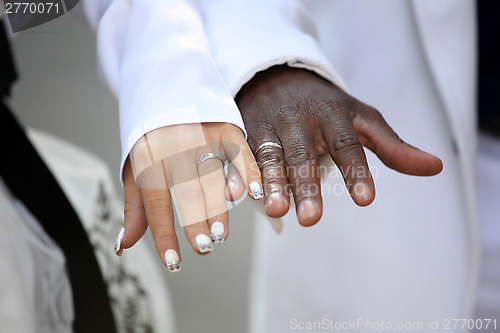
(155, 57)
(250, 36)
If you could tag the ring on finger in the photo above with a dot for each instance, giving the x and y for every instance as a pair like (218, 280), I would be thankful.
(268, 145)
(207, 157)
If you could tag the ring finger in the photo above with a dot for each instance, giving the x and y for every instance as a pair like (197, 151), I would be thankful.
(213, 185)
(190, 201)
(269, 155)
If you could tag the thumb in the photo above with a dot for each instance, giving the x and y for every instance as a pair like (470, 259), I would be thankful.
(375, 134)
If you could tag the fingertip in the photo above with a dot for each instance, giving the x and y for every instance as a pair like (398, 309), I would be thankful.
(276, 205)
(363, 194)
(436, 165)
(309, 213)
(428, 164)
(135, 226)
(410, 160)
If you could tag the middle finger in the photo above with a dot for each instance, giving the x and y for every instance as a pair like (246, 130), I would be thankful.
(302, 169)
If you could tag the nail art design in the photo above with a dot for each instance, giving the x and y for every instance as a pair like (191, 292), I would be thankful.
(118, 243)
(217, 232)
(256, 190)
(172, 260)
(204, 243)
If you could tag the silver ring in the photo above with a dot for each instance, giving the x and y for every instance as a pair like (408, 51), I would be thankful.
(268, 144)
(207, 157)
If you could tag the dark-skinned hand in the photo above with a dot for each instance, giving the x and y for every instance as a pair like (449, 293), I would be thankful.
(310, 116)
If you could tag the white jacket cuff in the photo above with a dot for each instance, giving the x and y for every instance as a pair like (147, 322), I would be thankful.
(250, 36)
(155, 56)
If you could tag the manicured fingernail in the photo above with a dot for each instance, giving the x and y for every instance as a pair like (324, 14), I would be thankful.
(118, 243)
(204, 243)
(217, 232)
(173, 261)
(256, 190)
(308, 211)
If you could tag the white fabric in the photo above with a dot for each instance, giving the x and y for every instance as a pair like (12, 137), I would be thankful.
(35, 293)
(488, 190)
(139, 295)
(413, 254)
(156, 59)
(242, 52)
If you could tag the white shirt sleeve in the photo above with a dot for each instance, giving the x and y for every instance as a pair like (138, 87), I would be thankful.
(155, 56)
(250, 36)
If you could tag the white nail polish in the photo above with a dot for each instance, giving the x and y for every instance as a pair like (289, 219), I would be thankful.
(204, 243)
(217, 232)
(256, 190)
(172, 260)
(118, 243)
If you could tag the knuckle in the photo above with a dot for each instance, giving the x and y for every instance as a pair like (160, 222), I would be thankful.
(156, 207)
(333, 109)
(289, 113)
(331, 105)
(301, 163)
(269, 158)
(273, 181)
(166, 238)
(300, 154)
(345, 142)
(375, 114)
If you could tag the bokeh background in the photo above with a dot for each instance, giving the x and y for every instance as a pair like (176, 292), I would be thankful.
(59, 91)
